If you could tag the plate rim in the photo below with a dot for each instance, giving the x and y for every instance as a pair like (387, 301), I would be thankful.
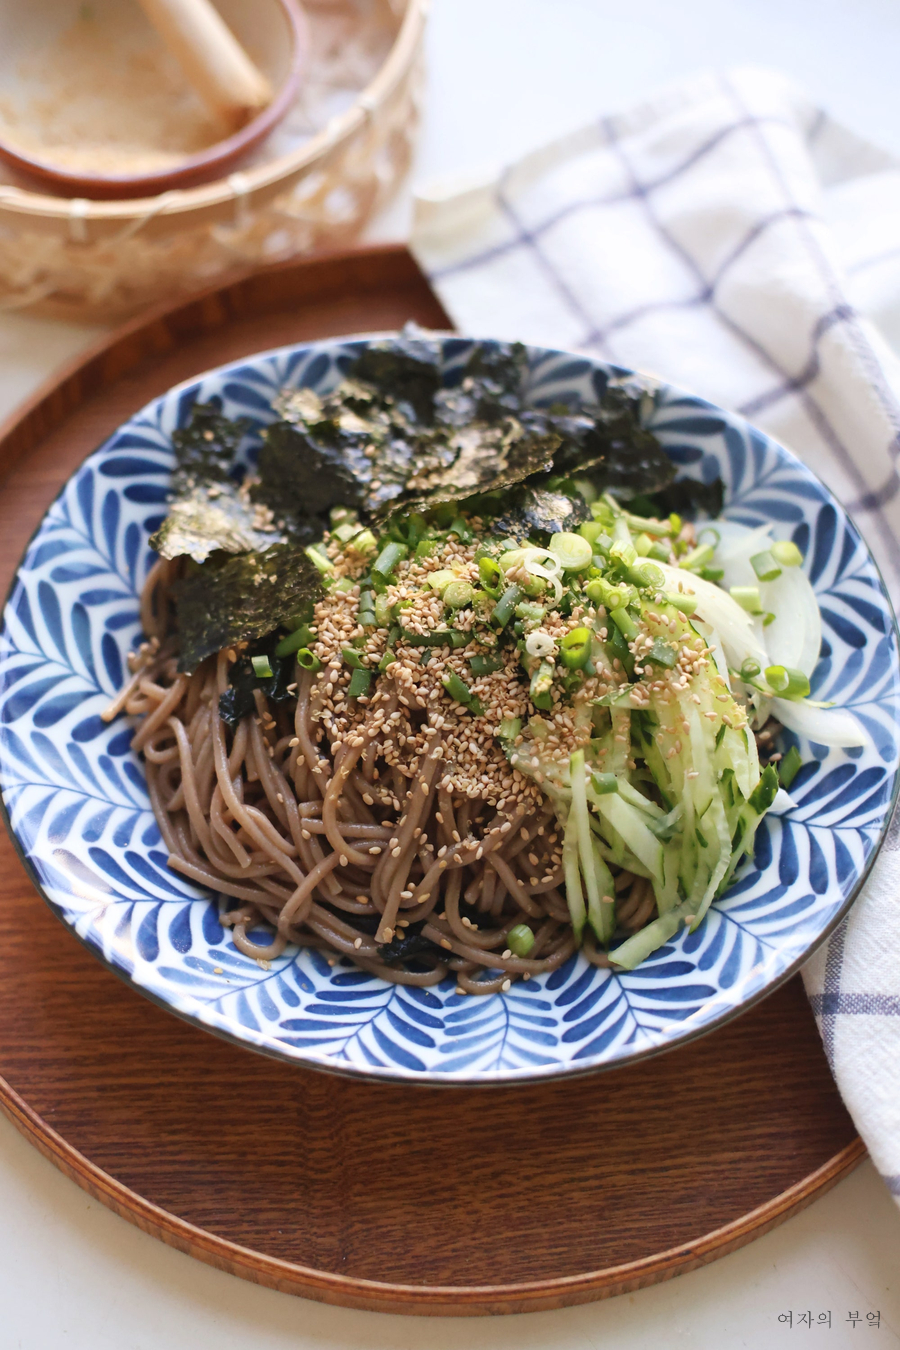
(395, 1074)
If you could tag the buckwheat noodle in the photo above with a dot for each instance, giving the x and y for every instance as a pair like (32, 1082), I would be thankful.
(273, 817)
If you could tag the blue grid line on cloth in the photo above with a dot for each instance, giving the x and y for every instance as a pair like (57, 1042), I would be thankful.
(815, 412)
(868, 501)
(610, 199)
(887, 256)
(833, 965)
(855, 1005)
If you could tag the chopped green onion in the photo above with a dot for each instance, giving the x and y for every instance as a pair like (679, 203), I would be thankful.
(491, 576)
(364, 542)
(520, 939)
(686, 604)
(437, 637)
(790, 767)
(645, 574)
(765, 565)
(384, 611)
(698, 557)
(712, 573)
(352, 659)
(318, 560)
(662, 654)
(440, 580)
(786, 552)
(458, 594)
(345, 585)
(590, 530)
(642, 545)
(604, 783)
(346, 532)
(459, 527)
(625, 623)
(541, 682)
(485, 665)
(768, 618)
(505, 606)
(575, 648)
(529, 610)
(573, 551)
(747, 597)
(425, 548)
(294, 641)
(787, 682)
(388, 558)
(359, 683)
(307, 659)
(624, 552)
(509, 728)
(261, 668)
(750, 669)
(660, 552)
(456, 688)
(388, 659)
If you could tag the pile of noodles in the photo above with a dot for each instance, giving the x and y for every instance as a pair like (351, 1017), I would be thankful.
(419, 884)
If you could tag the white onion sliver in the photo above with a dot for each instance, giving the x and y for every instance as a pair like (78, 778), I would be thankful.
(733, 624)
(825, 726)
(714, 642)
(540, 644)
(783, 802)
(794, 637)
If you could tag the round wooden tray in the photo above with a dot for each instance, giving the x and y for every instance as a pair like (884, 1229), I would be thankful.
(393, 1198)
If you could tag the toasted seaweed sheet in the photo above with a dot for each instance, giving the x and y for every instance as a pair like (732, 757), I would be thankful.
(240, 598)
(211, 516)
(390, 437)
(529, 511)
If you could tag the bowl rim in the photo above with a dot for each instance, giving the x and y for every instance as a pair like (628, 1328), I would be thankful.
(104, 220)
(193, 169)
(392, 1074)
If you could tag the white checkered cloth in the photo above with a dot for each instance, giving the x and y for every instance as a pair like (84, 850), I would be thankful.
(732, 237)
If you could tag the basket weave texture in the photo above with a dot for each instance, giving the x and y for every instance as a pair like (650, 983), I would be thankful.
(102, 261)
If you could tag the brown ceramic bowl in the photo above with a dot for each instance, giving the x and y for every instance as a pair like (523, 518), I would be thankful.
(46, 47)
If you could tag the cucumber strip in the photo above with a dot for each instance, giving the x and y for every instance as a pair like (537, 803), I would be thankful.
(626, 820)
(585, 847)
(636, 949)
(574, 895)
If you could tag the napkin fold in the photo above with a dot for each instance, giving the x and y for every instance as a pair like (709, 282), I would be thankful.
(732, 237)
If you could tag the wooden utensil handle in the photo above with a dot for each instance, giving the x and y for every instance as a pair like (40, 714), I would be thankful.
(212, 58)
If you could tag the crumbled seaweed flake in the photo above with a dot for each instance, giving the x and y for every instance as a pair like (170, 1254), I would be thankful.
(205, 448)
(407, 369)
(214, 516)
(687, 497)
(237, 700)
(527, 511)
(410, 945)
(608, 443)
(240, 598)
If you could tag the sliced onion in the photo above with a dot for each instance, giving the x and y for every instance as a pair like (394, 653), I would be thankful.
(734, 625)
(714, 642)
(540, 644)
(794, 637)
(783, 802)
(825, 726)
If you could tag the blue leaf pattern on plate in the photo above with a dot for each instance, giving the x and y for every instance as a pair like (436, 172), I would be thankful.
(76, 799)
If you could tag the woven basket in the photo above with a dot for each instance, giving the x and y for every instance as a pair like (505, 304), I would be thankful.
(100, 261)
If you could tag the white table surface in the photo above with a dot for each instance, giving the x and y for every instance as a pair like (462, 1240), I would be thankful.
(503, 74)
